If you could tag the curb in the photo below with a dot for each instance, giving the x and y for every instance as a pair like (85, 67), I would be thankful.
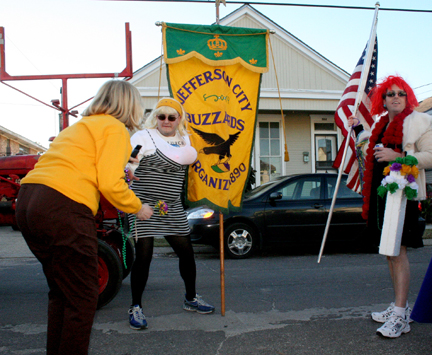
(198, 249)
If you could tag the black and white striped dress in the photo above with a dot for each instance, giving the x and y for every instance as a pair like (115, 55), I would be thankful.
(160, 178)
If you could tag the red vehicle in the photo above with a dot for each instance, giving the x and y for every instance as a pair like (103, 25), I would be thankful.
(116, 256)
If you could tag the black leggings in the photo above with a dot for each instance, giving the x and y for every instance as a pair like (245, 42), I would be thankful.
(182, 246)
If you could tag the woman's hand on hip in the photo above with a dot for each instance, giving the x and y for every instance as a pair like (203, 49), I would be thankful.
(145, 212)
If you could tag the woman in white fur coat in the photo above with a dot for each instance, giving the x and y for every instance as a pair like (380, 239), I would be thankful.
(400, 131)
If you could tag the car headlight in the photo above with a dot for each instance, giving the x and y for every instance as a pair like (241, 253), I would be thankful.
(202, 213)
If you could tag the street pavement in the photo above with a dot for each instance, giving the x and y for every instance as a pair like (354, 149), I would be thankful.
(278, 302)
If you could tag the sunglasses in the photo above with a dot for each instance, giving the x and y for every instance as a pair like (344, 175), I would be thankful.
(393, 93)
(171, 118)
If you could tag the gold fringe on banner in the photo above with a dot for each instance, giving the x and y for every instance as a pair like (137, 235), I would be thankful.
(286, 154)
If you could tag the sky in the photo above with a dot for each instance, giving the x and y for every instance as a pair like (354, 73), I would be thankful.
(88, 36)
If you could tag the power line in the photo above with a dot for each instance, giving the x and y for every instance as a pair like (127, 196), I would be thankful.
(34, 66)
(286, 4)
(18, 104)
(418, 87)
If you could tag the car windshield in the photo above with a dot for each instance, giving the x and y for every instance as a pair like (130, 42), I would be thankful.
(263, 188)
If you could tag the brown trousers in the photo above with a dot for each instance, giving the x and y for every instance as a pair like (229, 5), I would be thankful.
(61, 233)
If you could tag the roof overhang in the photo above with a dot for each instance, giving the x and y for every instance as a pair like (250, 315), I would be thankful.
(21, 140)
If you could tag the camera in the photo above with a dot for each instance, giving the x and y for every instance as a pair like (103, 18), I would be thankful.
(136, 151)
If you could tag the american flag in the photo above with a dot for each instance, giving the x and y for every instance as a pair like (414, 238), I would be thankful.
(345, 110)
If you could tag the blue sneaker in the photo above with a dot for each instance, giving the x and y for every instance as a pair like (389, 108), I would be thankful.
(198, 305)
(137, 319)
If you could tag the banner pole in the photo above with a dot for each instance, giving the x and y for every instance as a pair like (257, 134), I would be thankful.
(222, 262)
(335, 194)
(221, 228)
(360, 90)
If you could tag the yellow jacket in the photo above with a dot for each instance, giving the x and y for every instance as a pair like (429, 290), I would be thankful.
(86, 159)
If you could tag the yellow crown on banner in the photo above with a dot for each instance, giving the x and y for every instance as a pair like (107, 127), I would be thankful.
(217, 44)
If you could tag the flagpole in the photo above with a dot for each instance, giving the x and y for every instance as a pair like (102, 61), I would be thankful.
(222, 262)
(363, 77)
(221, 227)
(217, 11)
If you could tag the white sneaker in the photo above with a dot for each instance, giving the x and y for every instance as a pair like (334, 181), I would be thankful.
(137, 319)
(394, 327)
(384, 316)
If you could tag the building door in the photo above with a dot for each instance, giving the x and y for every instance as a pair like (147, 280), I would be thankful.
(324, 138)
(325, 152)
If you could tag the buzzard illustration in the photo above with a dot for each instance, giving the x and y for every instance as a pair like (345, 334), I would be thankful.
(220, 147)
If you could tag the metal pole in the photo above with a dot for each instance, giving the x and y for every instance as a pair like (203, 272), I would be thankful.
(65, 113)
(360, 90)
(222, 262)
(221, 228)
(335, 194)
(217, 12)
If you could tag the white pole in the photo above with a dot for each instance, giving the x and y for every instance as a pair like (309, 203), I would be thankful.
(363, 77)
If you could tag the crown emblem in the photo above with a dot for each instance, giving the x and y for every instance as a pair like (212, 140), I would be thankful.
(217, 44)
(253, 61)
(218, 54)
(180, 51)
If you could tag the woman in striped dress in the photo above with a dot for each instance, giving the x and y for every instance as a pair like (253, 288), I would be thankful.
(158, 181)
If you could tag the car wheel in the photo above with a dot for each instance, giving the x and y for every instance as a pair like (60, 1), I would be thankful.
(115, 240)
(109, 272)
(240, 241)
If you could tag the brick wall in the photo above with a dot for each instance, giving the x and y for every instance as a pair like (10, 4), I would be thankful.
(14, 147)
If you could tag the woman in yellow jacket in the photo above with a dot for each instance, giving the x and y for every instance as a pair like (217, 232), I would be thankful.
(57, 203)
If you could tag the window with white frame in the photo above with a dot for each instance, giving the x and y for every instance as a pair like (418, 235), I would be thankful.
(269, 153)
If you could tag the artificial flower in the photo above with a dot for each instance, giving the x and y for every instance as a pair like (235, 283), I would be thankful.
(162, 207)
(395, 167)
(386, 170)
(415, 171)
(406, 170)
(401, 177)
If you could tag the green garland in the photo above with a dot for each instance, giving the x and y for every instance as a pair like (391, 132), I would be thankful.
(125, 238)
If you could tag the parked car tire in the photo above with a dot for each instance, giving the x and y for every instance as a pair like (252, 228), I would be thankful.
(110, 273)
(240, 240)
(115, 240)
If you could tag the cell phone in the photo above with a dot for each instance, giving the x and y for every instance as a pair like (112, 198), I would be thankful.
(136, 151)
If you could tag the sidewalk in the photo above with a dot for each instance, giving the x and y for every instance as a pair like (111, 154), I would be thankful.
(427, 237)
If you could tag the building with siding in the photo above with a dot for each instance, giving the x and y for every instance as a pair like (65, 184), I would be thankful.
(310, 88)
(12, 143)
(425, 106)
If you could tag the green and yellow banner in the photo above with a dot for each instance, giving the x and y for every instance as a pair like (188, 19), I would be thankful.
(215, 72)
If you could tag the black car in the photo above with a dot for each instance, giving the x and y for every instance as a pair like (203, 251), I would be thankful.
(289, 209)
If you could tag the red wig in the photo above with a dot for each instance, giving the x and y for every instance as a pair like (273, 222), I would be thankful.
(377, 104)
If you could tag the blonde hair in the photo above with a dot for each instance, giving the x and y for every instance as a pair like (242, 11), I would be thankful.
(119, 99)
(151, 121)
